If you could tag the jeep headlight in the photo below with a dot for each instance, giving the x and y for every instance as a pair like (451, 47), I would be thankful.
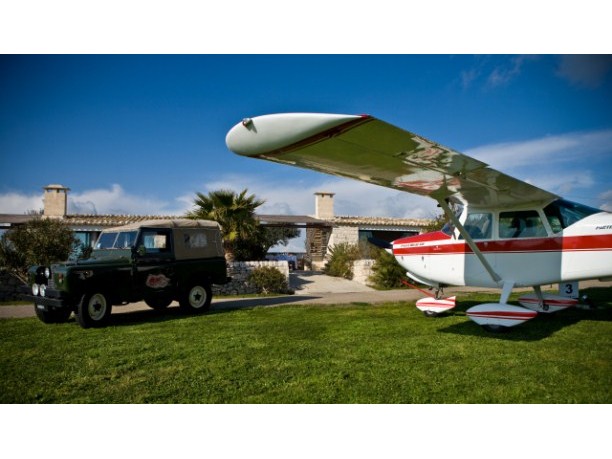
(42, 289)
(35, 289)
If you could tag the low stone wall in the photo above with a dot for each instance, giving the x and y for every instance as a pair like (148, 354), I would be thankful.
(239, 272)
(9, 285)
(362, 270)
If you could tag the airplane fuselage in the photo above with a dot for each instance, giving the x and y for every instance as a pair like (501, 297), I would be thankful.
(534, 251)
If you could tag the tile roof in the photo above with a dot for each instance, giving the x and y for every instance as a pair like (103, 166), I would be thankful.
(111, 220)
(106, 221)
(381, 221)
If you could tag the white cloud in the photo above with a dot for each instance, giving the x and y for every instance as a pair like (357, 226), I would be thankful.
(117, 201)
(561, 164)
(18, 203)
(558, 148)
(351, 197)
(113, 200)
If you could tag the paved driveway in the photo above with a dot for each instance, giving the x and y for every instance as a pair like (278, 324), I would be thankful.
(311, 288)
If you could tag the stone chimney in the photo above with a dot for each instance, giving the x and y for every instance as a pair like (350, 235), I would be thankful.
(55, 201)
(324, 205)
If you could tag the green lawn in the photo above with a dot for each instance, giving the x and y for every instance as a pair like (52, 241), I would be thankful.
(355, 353)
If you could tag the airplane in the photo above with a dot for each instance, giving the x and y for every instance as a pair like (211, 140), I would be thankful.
(502, 232)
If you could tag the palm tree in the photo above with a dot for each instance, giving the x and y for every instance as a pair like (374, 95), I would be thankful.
(234, 212)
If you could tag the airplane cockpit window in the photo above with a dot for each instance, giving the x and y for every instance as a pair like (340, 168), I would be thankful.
(448, 229)
(521, 224)
(478, 225)
(561, 213)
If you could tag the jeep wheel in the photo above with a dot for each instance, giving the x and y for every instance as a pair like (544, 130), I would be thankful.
(196, 299)
(158, 304)
(53, 316)
(93, 310)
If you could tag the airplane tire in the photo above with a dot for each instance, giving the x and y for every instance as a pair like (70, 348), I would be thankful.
(495, 328)
(431, 314)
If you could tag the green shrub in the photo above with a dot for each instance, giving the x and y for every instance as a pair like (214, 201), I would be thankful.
(267, 279)
(37, 242)
(387, 273)
(341, 258)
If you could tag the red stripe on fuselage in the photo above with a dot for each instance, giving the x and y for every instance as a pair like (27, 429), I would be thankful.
(548, 244)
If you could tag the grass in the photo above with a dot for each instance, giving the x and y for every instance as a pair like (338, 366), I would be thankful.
(355, 353)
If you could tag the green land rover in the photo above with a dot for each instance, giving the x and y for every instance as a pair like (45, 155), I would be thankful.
(157, 261)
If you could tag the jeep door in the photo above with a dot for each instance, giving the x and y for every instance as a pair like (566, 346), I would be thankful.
(154, 271)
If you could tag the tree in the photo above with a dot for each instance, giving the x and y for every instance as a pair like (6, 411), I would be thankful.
(234, 212)
(37, 242)
(256, 247)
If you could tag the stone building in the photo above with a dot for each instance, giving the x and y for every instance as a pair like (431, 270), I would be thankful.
(323, 230)
(352, 230)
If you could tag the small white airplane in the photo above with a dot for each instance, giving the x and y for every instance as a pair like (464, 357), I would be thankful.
(507, 233)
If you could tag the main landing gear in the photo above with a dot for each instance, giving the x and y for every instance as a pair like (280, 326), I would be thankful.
(501, 316)
(434, 305)
(497, 317)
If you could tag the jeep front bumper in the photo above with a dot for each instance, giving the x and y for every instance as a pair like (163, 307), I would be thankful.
(53, 299)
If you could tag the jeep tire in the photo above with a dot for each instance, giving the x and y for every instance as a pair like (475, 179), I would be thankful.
(53, 316)
(158, 303)
(196, 298)
(93, 310)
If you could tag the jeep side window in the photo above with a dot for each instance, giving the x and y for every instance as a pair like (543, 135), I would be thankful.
(126, 239)
(195, 239)
(106, 241)
(156, 241)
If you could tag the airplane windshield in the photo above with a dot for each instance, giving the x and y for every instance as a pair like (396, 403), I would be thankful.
(449, 227)
(562, 213)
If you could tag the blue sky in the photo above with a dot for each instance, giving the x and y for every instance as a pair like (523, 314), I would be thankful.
(138, 134)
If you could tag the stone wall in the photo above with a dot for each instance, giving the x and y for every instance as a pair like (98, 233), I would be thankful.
(8, 287)
(362, 270)
(344, 234)
(239, 272)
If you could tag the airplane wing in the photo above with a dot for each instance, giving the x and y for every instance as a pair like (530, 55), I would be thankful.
(365, 148)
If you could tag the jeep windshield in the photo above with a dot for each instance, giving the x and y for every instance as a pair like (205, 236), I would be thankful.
(116, 240)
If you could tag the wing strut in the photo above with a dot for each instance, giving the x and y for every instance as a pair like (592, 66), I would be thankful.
(470, 241)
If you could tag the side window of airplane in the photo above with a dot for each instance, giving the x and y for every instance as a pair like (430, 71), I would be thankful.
(479, 225)
(521, 224)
